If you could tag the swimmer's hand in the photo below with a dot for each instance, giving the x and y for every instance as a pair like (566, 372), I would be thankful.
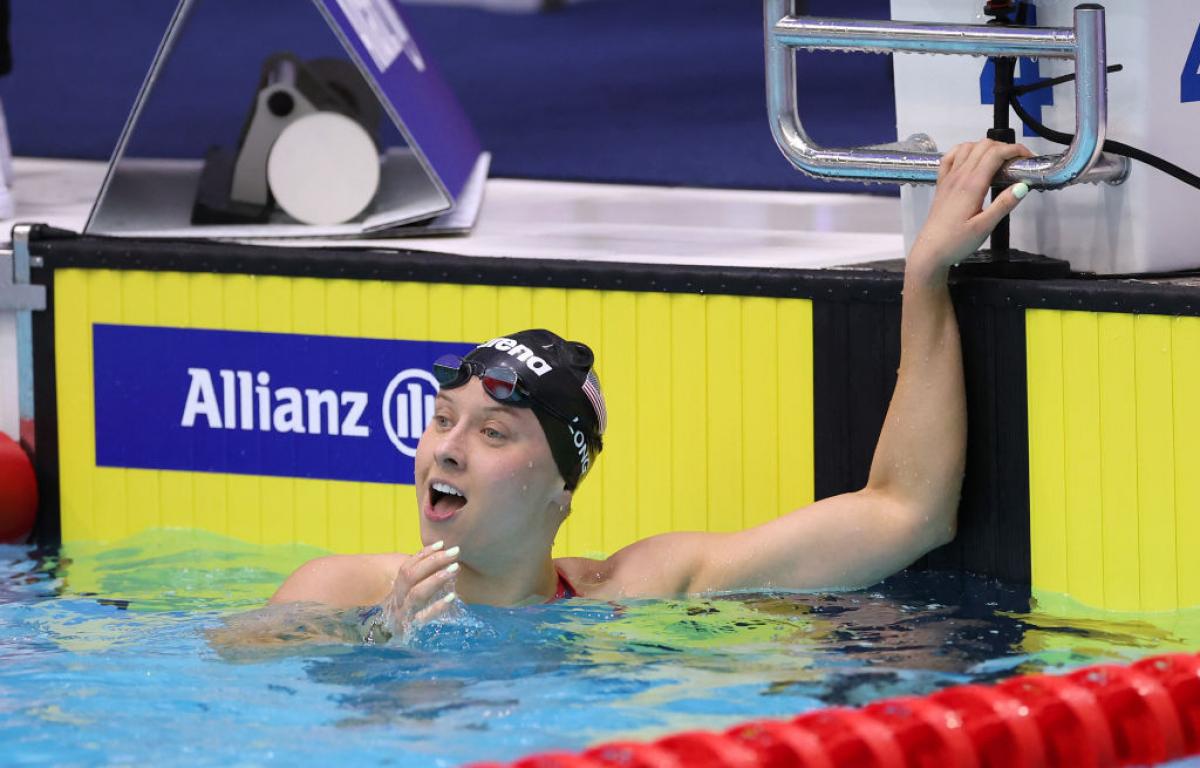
(958, 223)
(422, 591)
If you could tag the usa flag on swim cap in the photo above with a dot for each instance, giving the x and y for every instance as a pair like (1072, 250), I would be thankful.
(591, 388)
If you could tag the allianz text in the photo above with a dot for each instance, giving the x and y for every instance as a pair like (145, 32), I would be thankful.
(248, 402)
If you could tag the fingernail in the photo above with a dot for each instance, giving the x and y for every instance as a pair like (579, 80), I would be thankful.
(449, 598)
(435, 546)
(452, 552)
(1020, 189)
(451, 568)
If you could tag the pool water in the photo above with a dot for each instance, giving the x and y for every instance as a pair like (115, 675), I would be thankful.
(157, 650)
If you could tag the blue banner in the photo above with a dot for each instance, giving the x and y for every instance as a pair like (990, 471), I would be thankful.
(284, 405)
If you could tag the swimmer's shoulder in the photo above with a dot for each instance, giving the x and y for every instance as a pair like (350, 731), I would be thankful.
(655, 567)
(588, 577)
(342, 581)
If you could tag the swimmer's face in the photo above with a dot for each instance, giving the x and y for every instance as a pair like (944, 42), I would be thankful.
(485, 477)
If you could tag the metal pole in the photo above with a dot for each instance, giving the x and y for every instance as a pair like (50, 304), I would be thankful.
(1005, 68)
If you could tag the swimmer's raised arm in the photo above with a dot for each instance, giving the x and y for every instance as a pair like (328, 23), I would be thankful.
(910, 502)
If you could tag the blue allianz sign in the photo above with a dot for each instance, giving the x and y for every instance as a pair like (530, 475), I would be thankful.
(284, 405)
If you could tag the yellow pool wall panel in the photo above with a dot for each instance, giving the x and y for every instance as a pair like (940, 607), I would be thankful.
(1114, 458)
(709, 397)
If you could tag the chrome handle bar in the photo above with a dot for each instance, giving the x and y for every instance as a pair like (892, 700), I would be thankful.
(915, 161)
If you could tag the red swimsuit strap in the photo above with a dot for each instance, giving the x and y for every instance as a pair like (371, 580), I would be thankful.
(564, 591)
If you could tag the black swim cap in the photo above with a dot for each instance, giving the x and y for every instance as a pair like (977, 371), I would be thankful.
(564, 393)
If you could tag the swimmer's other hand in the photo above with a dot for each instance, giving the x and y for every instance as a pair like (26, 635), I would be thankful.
(958, 223)
(422, 591)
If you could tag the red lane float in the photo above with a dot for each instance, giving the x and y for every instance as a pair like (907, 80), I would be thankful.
(18, 493)
(1096, 717)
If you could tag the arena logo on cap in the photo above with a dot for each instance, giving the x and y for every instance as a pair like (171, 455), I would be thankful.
(521, 352)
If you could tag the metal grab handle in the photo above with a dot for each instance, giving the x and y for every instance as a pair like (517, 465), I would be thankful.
(916, 160)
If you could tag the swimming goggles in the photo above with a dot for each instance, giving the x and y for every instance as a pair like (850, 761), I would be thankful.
(501, 383)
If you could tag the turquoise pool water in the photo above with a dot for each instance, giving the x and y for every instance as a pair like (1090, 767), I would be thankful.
(152, 652)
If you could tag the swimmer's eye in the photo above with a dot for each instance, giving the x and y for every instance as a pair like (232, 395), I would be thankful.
(493, 434)
(441, 421)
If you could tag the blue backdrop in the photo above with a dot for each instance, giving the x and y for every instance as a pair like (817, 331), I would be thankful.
(608, 90)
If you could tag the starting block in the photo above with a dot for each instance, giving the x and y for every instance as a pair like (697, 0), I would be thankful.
(1100, 212)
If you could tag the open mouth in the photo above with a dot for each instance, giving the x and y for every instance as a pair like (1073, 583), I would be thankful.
(444, 500)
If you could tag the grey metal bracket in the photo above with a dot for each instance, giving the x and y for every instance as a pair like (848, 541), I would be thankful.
(915, 161)
(16, 294)
(20, 299)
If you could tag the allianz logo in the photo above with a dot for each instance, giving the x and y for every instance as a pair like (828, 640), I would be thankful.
(247, 401)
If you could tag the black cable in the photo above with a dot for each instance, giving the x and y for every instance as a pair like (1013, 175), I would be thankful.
(1038, 85)
(1115, 147)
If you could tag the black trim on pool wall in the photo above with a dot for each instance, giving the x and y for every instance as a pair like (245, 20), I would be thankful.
(993, 523)
(61, 249)
(856, 354)
(48, 527)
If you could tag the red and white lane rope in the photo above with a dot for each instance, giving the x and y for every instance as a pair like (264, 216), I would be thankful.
(1143, 714)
